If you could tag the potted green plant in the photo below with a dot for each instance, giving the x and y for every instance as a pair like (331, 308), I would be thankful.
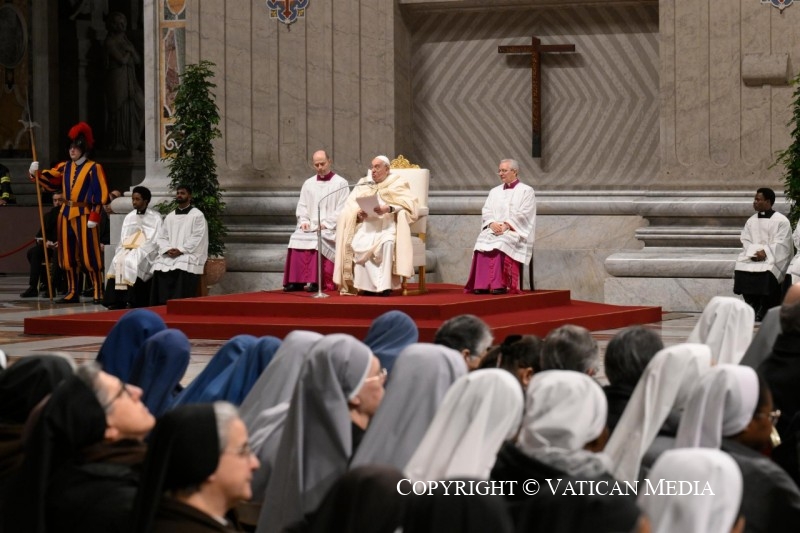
(790, 158)
(190, 159)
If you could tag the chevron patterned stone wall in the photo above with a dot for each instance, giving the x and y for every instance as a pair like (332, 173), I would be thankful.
(600, 105)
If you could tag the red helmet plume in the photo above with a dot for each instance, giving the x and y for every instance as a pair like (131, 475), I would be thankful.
(81, 136)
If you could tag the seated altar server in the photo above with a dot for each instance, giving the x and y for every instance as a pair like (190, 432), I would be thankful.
(505, 243)
(322, 198)
(132, 267)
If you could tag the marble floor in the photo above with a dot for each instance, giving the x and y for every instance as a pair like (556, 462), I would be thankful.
(674, 328)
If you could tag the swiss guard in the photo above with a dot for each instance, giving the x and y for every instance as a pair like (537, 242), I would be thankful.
(83, 184)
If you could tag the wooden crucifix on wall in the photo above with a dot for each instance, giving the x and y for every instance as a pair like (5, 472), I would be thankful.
(535, 49)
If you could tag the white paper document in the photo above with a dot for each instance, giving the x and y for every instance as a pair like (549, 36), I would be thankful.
(368, 204)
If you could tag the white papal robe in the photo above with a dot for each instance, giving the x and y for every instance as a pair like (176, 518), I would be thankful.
(131, 263)
(373, 254)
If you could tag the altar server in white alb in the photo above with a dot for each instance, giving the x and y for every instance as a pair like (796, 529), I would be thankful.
(132, 267)
(505, 243)
(767, 250)
(182, 251)
(322, 198)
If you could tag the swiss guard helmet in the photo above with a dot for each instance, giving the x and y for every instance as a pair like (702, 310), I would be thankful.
(80, 136)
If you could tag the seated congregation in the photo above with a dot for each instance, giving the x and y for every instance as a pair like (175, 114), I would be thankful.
(317, 433)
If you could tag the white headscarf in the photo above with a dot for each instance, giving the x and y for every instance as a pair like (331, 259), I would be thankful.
(564, 409)
(666, 383)
(421, 376)
(726, 325)
(478, 413)
(265, 407)
(317, 438)
(698, 511)
(721, 405)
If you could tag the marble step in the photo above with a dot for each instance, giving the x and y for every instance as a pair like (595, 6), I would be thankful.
(667, 262)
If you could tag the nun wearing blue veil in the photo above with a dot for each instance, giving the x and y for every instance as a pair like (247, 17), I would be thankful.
(159, 368)
(209, 382)
(389, 334)
(232, 372)
(125, 339)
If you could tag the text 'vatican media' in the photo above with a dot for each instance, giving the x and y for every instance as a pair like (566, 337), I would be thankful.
(556, 487)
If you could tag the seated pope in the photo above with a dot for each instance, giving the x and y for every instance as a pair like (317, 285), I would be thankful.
(373, 238)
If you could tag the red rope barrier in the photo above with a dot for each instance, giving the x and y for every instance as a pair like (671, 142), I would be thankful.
(15, 250)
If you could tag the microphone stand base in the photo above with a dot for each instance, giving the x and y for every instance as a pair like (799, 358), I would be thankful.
(321, 294)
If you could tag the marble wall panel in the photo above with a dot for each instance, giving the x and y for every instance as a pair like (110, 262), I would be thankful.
(672, 294)
(472, 106)
(716, 132)
(566, 255)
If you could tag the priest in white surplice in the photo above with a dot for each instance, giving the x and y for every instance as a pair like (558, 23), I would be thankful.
(767, 250)
(331, 190)
(182, 251)
(373, 250)
(505, 243)
(132, 267)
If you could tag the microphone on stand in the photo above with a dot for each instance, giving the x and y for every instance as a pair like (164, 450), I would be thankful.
(319, 293)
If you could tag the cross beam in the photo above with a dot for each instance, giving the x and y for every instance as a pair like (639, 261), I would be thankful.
(535, 49)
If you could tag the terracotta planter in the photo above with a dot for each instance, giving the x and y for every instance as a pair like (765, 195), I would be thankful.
(214, 269)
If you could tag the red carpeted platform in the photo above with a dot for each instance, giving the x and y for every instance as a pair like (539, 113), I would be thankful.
(277, 313)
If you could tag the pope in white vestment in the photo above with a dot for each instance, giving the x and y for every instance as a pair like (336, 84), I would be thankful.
(767, 250)
(322, 198)
(373, 250)
(505, 243)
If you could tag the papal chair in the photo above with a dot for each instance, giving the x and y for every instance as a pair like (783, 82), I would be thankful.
(418, 179)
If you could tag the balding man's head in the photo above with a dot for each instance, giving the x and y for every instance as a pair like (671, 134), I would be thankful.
(793, 294)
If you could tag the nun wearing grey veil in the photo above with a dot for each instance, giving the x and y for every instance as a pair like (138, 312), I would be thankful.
(265, 408)
(317, 440)
(421, 377)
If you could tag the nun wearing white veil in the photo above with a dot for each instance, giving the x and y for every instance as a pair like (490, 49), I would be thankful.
(666, 383)
(731, 408)
(562, 437)
(422, 375)
(317, 439)
(726, 326)
(696, 512)
(480, 411)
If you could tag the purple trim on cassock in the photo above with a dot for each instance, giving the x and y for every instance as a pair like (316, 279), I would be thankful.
(511, 185)
(326, 177)
(301, 267)
(493, 270)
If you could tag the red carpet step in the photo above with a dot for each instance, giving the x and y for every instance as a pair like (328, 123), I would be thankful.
(277, 313)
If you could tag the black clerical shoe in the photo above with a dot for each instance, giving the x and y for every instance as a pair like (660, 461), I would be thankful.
(502, 290)
(292, 287)
(480, 291)
(73, 300)
(30, 293)
(312, 287)
(387, 292)
(97, 301)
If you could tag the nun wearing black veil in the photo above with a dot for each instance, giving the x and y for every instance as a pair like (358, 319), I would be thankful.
(198, 466)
